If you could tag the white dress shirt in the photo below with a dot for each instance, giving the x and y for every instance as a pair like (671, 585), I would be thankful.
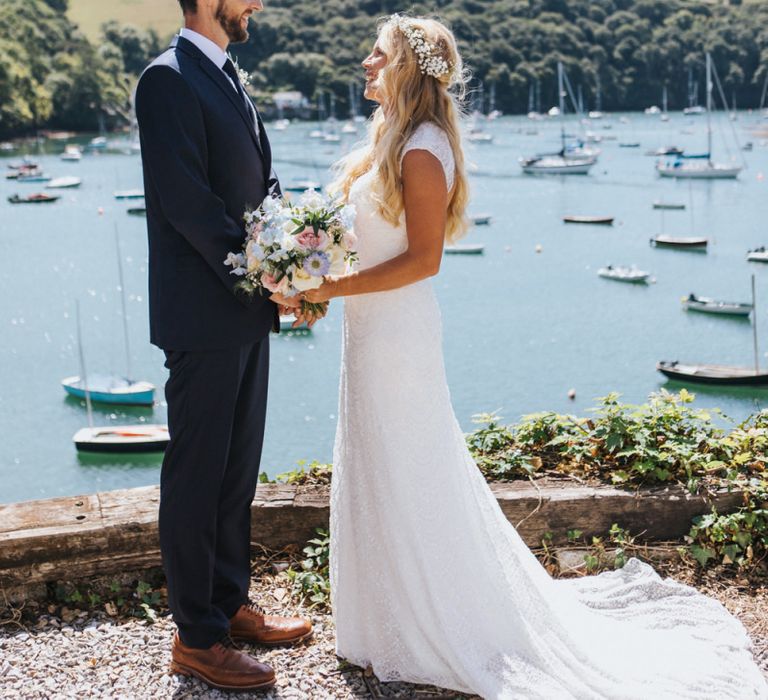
(216, 55)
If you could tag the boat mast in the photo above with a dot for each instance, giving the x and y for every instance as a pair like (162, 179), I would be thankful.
(121, 281)
(754, 326)
(561, 102)
(709, 108)
(765, 89)
(83, 376)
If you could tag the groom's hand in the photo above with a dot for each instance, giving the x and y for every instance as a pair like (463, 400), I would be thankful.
(307, 317)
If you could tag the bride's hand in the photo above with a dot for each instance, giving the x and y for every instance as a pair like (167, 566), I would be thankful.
(323, 293)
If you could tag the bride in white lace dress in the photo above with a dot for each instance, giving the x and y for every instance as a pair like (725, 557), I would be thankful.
(430, 582)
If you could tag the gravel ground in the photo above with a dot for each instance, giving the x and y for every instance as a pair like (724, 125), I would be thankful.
(64, 653)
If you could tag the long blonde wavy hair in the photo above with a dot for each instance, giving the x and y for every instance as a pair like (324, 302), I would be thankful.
(409, 98)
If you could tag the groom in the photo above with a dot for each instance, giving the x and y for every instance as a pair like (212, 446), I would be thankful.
(206, 159)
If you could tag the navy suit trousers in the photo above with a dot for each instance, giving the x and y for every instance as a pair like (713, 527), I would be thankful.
(216, 412)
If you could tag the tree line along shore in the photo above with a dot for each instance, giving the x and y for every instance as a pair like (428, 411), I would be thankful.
(619, 55)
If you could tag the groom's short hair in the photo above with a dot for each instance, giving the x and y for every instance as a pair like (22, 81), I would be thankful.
(188, 6)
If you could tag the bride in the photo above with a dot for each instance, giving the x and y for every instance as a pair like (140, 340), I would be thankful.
(430, 582)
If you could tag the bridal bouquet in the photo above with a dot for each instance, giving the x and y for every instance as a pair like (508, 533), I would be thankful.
(290, 247)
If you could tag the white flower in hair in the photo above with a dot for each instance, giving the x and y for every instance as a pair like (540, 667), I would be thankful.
(431, 61)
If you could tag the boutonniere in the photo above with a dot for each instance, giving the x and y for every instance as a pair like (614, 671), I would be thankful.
(242, 75)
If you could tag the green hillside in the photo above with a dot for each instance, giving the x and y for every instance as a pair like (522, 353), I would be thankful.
(164, 16)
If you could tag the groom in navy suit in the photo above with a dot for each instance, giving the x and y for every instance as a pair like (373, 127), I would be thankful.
(207, 159)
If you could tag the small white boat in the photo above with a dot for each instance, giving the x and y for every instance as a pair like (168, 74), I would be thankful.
(557, 165)
(698, 170)
(63, 183)
(712, 306)
(99, 143)
(624, 274)
(758, 255)
(481, 220)
(480, 137)
(695, 111)
(281, 124)
(286, 324)
(665, 151)
(7, 147)
(302, 186)
(72, 154)
(123, 439)
(464, 249)
(129, 194)
(349, 128)
(331, 138)
(668, 205)
(33, 177)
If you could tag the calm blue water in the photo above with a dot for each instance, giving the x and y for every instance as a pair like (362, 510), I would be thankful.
(521, 327)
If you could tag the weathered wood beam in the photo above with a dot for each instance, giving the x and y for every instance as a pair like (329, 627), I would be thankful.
(107, 533)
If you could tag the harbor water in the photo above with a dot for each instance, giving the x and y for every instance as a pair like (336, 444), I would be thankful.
(524, 323)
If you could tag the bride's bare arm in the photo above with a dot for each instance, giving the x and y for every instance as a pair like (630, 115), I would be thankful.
(425, 200)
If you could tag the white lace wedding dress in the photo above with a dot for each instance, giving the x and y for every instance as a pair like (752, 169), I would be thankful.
(430, 582)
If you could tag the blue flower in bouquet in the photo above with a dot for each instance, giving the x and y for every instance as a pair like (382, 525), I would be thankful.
(317, 264)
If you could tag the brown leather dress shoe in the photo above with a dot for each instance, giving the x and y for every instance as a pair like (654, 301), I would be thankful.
(222, 666)
(252, 624)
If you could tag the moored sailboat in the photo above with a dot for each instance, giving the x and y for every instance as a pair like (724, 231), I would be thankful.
(702, 167)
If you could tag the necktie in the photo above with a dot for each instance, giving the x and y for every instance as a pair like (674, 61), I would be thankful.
(229, 69)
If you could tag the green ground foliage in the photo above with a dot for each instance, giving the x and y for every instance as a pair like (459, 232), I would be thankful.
(52, 76)
(664, 441)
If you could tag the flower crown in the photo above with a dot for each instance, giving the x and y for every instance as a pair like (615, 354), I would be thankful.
(429, 55)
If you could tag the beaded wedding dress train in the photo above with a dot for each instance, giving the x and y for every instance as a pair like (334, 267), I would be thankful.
(431, 584)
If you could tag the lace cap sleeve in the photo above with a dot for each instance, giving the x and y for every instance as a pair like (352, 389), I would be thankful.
(430, 137)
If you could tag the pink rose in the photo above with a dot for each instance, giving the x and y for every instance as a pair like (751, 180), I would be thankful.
(269, 283)
(314, 241)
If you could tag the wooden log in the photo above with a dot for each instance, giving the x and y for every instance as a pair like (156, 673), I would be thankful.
(108, 533)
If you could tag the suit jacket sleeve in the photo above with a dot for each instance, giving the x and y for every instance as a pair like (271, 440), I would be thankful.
(174, 147)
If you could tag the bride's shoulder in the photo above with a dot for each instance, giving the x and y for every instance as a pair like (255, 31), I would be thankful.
(428, 132)
(428, 136)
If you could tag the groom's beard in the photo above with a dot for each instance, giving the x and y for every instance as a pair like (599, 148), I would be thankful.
(231, 25)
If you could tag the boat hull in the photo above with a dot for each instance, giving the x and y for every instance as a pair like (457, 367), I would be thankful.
(680, 243)
(565, 169)
(464, 250)
(593, 220)
(137, 394)
(713, 374)
(699, 173)
(716, 310)
(126, 439)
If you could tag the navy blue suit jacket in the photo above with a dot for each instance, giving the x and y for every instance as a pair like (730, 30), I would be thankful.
(204, 165)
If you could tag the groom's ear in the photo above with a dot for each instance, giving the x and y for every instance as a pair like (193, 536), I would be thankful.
(188, 7)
